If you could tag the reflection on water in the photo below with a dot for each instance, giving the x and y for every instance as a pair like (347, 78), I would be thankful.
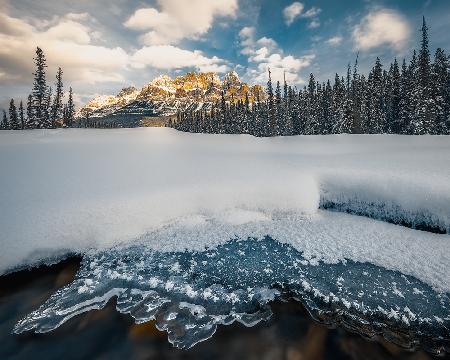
(107, 334)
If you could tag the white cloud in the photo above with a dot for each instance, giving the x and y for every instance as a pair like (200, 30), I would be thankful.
(179, 19)
(314, 24)
(67, 42)
(169, 57)
(251, 46)
(259, 55)
(77, 16)
(314, 11)
(382, 27)
(69, 30)
(265, 53)
(292, 11)
(267, 42)
(147, 18)
(334, 41)
(247, 40)
(247, 32)
(295, 10)
(281, 66)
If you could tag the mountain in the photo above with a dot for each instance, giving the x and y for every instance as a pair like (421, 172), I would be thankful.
(164, 96)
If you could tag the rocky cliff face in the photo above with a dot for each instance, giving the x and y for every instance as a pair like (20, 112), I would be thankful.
(164, 96)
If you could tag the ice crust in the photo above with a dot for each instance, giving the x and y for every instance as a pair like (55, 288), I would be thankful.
(190, 293)
(72, 190)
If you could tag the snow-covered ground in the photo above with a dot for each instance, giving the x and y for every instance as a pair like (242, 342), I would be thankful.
(72, 190)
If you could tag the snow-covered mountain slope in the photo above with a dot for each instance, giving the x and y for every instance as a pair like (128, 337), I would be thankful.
(164, 96)
(80, 189)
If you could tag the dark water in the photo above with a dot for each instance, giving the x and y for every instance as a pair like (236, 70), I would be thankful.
(107, 334)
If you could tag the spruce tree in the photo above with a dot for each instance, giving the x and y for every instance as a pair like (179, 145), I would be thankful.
(300, 121)
(416, 125)
(404, 104)
(70, 109)
(364, 104)
(393, 100)
(282, 107)
(338, 106)
(48, 109)
(377, 120)
(270, 128)
(311, 111)
(425, 100)
(29, 120)
(21, 116)
(64, 117)
(347, 121)
(39, 93)
(440, 93)
(5, 125)
(57, 106)
(288, 108)
(356, 94)
(246, 115)
(295, 113)
(13, 118)
(224, 117)
(278, 110)
(327, 105)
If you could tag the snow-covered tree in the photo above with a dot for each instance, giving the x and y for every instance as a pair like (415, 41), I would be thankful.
(356, 95)
(70, 110)
(347, 120)
(416, 125)
(57, 106)
(4, 124)
(29, 121)
(271, 111)
(13, 117)
(48, 108)
(311, 124)
(393, 100)
(440, 93)
(39, 93)
(338, 113)
(425, 101)
(279, 115)
(377, 115)
(21, 116)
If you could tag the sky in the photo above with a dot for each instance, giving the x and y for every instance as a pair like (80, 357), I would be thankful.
(105, 45)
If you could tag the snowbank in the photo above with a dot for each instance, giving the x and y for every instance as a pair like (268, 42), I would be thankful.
(71, 190)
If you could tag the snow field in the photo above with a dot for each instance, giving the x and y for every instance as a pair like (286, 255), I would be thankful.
(73, 190)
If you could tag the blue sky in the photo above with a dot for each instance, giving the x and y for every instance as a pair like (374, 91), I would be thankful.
(103, 46)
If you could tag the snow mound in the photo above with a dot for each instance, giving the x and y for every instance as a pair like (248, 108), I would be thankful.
(422, 204)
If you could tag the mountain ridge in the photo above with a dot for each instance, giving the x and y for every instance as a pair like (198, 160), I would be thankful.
(164, 96)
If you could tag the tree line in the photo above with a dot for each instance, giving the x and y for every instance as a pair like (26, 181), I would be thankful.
(43, 109)
(411, 98)
(86, 122)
